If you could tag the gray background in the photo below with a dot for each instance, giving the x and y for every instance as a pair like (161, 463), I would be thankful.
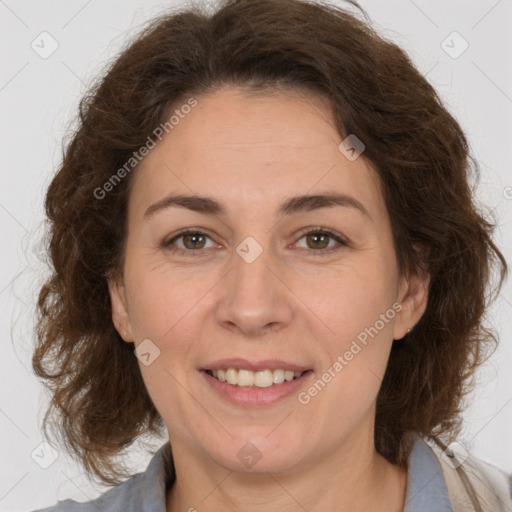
(38, 98)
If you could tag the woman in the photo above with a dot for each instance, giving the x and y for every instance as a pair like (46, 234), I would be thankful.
(265, 242)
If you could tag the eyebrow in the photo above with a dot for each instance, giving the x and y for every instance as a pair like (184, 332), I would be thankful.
(292, 205)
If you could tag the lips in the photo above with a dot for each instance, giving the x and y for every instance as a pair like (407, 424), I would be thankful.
(254, 395)
(254, 366)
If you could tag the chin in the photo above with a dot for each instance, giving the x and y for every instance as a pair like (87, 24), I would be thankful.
(260, 453)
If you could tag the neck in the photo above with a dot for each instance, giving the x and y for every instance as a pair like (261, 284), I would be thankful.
(354, 477)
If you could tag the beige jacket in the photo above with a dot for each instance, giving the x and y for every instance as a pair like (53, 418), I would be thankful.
(473, 485)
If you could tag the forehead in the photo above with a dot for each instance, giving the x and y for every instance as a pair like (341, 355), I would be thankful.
(254, 150)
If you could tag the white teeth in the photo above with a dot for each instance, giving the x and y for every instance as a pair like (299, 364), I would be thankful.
(278, 376)
(260, 379)
(245, 378)
(231, 376)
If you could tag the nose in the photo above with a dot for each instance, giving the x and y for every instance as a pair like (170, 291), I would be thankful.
(255, 296)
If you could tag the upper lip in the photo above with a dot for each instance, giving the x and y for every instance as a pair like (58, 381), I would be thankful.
(255, 366)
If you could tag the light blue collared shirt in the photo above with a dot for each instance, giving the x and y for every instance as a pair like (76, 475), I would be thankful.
(426, 487)
(147, 491)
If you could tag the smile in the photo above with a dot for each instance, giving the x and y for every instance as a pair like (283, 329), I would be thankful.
(259, 379)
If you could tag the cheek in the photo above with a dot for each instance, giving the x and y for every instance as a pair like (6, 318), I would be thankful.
(359, 308)
(162, 298)
(354, 298)
(355, 357)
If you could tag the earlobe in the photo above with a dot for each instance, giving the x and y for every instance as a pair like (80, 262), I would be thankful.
(120, 315)
(414, 300)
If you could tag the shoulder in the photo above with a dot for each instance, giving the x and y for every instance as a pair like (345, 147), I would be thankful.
(67, 506)
(472, 482)
(143, 491)
(113, 500)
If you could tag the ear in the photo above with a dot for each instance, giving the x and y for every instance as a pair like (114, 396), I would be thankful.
(413, 295)
(120, 315)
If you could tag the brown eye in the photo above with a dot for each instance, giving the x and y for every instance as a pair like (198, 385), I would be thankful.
(188, 242)
(193, 241)
(319, 242)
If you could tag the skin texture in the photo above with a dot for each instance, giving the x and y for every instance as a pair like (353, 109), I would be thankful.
(253, 153)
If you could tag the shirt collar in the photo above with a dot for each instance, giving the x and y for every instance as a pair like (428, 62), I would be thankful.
(426, 487)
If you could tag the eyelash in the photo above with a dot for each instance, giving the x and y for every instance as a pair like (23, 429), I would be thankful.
(313, 252)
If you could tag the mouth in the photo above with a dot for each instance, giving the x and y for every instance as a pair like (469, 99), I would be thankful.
(245, 378)
(250, 384)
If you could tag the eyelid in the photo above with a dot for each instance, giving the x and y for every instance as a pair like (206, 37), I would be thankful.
(340, 240)
(319, 229)
(187, 231)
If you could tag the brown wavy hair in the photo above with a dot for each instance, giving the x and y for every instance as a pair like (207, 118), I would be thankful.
(99, 404)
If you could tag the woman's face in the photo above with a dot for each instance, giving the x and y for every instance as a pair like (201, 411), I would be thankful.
(261, 285)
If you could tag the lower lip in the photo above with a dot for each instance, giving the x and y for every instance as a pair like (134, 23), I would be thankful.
(256, 397)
